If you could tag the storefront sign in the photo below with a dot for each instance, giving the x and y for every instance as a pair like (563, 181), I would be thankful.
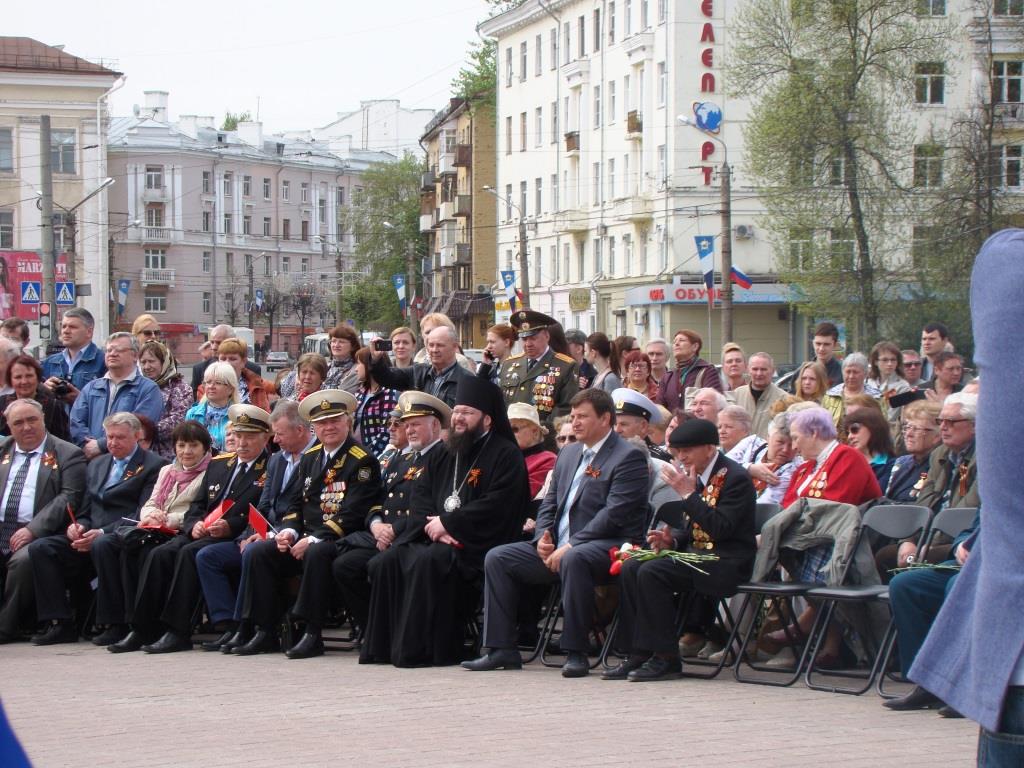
(759, 293)
(579, 300)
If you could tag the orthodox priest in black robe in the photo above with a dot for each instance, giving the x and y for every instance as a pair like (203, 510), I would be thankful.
(471, 496)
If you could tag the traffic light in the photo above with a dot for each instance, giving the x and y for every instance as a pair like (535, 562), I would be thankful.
(45, 327)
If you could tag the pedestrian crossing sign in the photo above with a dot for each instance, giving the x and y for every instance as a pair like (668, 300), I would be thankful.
(30, 290)
(66, 294)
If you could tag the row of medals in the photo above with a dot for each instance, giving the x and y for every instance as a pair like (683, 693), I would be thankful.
(331, 497)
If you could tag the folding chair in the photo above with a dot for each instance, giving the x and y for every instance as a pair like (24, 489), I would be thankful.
(892, 521)
(951, 522)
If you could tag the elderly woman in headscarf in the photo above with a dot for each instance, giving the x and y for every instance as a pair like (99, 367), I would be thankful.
(157, 363)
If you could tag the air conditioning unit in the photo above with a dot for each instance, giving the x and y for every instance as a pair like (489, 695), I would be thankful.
(744, 231)
(640, 317)
(482, 288)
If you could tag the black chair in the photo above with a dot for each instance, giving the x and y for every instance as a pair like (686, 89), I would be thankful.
(951, 522)
(892, 521)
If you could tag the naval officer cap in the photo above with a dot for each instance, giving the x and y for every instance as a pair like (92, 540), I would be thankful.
(629, 402)
(326, 404)
(529, 322)
(248, 418)
(692, 433)
(413, 403)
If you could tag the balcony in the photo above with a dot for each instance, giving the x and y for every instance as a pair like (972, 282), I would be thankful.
(634, 125)
(156, 234)
(463, 205)
(576, 72)
(571, 222)
(447, 256)
(426, 222)
(463, 155)
(157, 277)
(446, 163)
(449, 236)
(636, 209)
(447, 210)
(572, 142)
(639, 47)
(463, 254)
(428, 180)
(155, 195)
(1009, 114)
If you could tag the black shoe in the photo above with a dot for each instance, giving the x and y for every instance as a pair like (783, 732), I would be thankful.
(171, 642)
(576, 665)
(622, 671)
(115, 633)
(657, 668)
(261, 642)
(63, 631)
(218, 644)
(918, 698)
(237, 640)
(309, 645)
(496, 658)
(949, 713)
(133, 641)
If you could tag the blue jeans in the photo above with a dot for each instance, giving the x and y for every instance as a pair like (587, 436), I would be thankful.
(1005, 749)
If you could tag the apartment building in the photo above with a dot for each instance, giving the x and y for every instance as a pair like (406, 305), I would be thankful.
(457, 217)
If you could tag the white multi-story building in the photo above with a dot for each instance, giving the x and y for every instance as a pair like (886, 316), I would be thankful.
(379, 125)
(615, 189)
(204, 220)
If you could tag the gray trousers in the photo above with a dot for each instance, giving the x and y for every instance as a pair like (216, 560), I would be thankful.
(19, 592)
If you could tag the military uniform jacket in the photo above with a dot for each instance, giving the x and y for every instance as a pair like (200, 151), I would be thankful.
(399, 480)
(338, 498)
(549, 386)
(244, 491)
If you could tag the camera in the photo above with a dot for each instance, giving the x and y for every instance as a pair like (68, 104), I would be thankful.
(383, 345)
(63, 387)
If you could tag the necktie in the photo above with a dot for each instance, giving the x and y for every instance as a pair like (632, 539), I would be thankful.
(286, 475)
(10, 521)
(563, 523)
(116, 472)
(530, 364)
(239, 471)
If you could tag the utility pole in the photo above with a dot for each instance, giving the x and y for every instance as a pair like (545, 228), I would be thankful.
(410, 283)
(252, 299)
(726, 252)
(341, 284)
(524, 262)
(47, 256)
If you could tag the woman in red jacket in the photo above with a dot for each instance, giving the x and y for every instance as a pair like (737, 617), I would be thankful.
(529, 433)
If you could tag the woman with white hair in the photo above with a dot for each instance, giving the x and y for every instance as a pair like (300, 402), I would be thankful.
(220, 392)
(734, 435)
(855, 375)
(773, 471)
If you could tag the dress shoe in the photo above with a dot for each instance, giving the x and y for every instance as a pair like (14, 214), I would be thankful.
(58, 632)
(496, 658)
(216, 645)
(576, 665)
(171, 642)
(621, 672)
(657, 668)
(949, 713)
(918, 698)
(133, 641)
(261, 642)
(309, 645)
(115, 633)
(773, 642)
(237, 640)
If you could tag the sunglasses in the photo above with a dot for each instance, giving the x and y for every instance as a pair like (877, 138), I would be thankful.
(565, 439)
(155, 334)
(911, 363)
(853, 429)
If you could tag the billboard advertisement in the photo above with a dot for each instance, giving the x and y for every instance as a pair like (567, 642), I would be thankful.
(20, 275)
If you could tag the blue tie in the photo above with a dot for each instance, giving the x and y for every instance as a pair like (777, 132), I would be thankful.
(116, 472)
(563, 523)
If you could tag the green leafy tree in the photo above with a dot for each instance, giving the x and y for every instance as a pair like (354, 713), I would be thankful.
(231, 120)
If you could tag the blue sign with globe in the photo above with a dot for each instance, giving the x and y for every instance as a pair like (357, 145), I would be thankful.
(708, 116)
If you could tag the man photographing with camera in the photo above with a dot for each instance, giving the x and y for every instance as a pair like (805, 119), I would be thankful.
(67, 371)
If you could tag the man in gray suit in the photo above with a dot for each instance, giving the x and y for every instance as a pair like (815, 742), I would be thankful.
(41, 477)
(596, 500)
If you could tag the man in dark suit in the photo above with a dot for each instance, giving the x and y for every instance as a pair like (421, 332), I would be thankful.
(220, 565)
(116, 485)
(439, 377)
(714, 517)
(340, 491)
(595, 501)
(169, 587)
(41, 476)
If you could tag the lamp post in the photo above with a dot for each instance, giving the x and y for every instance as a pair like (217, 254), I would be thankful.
(524, 258)
(726, 183)
(410, 279)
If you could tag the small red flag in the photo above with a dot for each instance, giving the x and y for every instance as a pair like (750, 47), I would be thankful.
(219, 512)
(258, 522)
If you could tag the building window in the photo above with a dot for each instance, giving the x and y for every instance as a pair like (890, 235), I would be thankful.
(538, 126)
(6, 229)
(554, 48)
(266, 189)
(538, 55)
(229, 263)
(207, 302)
(841, 244)
(62, 151)
(597, 106)
(508, 202)
(535, 277)
(207, 182)
(934, 7)
(155, 302)
(538, 199)
(286, 229)
(837, 171)
(662, 11)
(286, 191)
(1007, 77)
(304, 229)
(625, 96)
(6, 149)
(581, 254)
(627, 252)
(341, 196)
(522, 131)
(229, 179)
(554, 192)
(596, 178)
(247, 186)
(1008, 164)
(155, 258)
(625, 176)
(1008, 7)
(304, 265)
(922, 245)
(522, 199)
(522, 61)
(228, 224)
(247, 225)
(508, 135)
(321, 206)
(801, 249)
(927, 165)
(662, 84)
(566, 256)
(611, 256)
(207, 261)
(610, 22)
(566, 42)
(154, 177)
(155, 215)
(304, 192)
(207, 221)
(266, 226)
(645, 16)
(582, 36)
(611, 102)
(286, 264)
(553, 266)
(662, 165)
(597, 29)
(627, 18)
(611, 177)
(554, 122)
(508, 67)
(930, 82)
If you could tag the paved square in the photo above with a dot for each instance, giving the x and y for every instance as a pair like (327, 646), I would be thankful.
(77, 705)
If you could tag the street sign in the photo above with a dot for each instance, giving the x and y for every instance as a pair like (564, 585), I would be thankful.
(66, 294)
(30, 291)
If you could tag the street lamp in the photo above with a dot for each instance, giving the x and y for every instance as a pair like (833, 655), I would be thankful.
(726, 175)
(410, 279)
(70, 221)
(524, 259)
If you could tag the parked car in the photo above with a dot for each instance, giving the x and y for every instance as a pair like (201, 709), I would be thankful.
(277, 360)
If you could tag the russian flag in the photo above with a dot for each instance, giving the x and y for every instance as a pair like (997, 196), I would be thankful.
(739, 277)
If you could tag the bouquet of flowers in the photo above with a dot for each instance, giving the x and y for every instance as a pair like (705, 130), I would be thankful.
(628, 551)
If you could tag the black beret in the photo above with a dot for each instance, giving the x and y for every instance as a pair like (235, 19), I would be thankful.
(694, 432)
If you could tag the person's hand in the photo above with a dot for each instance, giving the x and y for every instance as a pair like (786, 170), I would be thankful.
(199, 530)
(435, 528)
(20, 538)
(384, 533)
(75, 531)
(554, 560)
(761, 472)
(961, 553)
(247, 541)
(530, 525)
(906, 550)
(545, 545)
(284, 539)
(51, 383)
(932, 396)
(155, 517)
(679, 479)
(84, 542)
(299, 548)
(220, 529)
(447, 538)
(660, 538)
(91, 449)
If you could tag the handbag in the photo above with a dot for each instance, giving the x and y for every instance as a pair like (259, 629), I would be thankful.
(134, 537)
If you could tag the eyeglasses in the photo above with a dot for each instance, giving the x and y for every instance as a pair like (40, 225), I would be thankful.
(911, 363)
(887, 359)
(950, 422)
(637, 366)
(565, 438)
(913, 429)
(156, 334)
(853, 429)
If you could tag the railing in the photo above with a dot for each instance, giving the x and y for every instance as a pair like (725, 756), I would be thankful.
(156, 234)
(150, 276)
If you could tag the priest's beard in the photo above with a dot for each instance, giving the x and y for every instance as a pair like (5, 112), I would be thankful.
(460, 443)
